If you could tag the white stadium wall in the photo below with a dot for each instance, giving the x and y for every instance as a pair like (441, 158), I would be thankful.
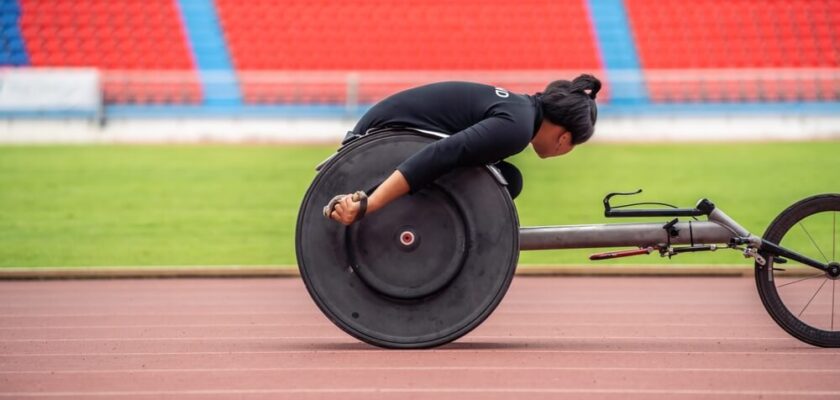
(331, 130)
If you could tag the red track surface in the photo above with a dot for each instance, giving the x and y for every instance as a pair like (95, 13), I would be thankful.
(558, 338)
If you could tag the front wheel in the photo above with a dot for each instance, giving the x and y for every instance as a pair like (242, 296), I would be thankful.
(801, 299)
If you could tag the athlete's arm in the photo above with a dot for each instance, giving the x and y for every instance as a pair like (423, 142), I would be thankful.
(393, 188)
(485, 142)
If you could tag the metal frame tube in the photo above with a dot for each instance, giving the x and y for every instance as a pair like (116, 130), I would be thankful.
(618, 235)
(719, 229)
(717, 215)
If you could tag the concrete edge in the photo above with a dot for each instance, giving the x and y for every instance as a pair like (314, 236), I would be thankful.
(291, 271)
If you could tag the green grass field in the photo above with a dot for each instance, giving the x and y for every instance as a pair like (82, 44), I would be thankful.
(237, 205)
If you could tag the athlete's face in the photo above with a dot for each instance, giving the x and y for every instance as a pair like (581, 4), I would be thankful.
(552, 140)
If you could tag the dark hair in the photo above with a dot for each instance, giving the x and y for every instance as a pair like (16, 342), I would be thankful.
(569, 105)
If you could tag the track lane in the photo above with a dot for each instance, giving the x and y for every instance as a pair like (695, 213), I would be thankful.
(581, 338)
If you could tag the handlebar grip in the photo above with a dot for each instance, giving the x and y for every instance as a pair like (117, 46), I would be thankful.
(664, 212)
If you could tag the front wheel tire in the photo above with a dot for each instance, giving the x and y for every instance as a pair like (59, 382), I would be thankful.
(803, 300)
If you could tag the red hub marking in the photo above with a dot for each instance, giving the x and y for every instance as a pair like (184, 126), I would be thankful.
(407, 238)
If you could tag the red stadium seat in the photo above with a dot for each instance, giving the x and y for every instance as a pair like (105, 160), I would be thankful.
(124, 35)
(372, 35)
(737, 34)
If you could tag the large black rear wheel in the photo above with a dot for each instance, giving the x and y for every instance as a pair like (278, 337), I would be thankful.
(803, 300)
(421, 272)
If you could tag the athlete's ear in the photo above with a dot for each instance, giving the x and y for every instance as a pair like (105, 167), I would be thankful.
(565, 137)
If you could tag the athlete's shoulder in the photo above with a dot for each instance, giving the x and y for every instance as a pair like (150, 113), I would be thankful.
(520, 112)
(456, 85)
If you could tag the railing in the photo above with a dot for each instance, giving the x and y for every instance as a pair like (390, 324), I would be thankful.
(352, 89)
(743, 85)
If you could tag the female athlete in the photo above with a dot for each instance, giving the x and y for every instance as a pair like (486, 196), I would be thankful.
(486, 124)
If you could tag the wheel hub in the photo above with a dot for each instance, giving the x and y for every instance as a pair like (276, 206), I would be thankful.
(408, 239)
(833, 271)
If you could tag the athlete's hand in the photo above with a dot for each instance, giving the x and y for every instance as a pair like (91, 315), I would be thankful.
(346, 210)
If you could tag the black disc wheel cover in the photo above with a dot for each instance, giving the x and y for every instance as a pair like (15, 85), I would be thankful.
(432, 242)
(423, 271)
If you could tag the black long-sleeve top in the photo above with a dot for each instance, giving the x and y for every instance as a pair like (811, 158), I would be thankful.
(485, 124)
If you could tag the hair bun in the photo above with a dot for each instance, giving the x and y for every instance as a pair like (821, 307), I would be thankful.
(586, 82)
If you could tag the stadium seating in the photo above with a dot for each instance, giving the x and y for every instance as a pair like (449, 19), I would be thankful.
(12, 50)
(133, 42)
(728, 36)
(306, 51)
(371, 35)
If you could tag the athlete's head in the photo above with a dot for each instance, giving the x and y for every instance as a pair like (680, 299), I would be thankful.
(569, 115)
(572, 105)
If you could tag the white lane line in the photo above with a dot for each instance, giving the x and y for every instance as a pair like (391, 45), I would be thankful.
(334, 338)
(175, 326)
(806, 351)
(252, 301)
(316, 314)
(377, 390)
(460, 368)
(657, 324)
(164, 314)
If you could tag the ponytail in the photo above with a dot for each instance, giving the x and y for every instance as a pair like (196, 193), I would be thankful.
(586, 82)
